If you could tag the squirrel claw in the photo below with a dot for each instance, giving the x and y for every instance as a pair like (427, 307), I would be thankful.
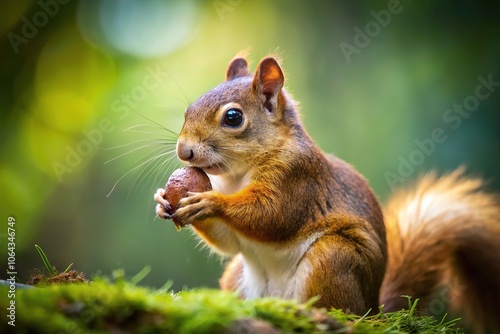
(163, 208)
(196, 207)
(162, 212)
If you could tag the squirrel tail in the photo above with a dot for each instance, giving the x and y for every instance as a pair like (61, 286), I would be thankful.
(444, 247)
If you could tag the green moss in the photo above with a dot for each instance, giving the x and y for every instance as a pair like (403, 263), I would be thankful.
(101, 307)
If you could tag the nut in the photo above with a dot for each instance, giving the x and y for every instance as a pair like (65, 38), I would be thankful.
(182, 181)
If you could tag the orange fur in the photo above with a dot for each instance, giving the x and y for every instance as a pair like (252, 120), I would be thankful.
(301, 224)
(445, 232)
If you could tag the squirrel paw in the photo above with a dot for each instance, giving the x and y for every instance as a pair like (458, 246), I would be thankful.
(163, 206)
(196, 207)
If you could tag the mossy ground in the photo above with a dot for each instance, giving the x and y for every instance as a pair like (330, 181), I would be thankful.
(102, 306)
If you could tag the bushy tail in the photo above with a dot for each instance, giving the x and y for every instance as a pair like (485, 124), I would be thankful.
(444, 237)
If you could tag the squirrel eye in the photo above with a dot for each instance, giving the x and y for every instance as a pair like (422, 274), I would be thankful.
(233, 117)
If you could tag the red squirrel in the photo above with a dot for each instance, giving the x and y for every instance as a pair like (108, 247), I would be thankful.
(300, 223)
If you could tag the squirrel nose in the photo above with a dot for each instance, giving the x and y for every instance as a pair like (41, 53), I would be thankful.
(184, 151)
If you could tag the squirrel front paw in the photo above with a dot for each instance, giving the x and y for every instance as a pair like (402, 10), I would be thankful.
(196, 207)
(163, 207)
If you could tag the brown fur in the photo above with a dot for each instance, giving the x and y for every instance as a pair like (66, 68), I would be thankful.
(232, 275)
(452, 240)
(295, 192)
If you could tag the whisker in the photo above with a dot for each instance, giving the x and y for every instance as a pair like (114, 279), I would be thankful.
(134, 129)
(179, 87)
(167, 165)
(133, 169)
(158, 124)
(148, 171)
(157, 160)
(148, 133)
(170, 164)
(224, 153)
(136, 126)
(225, 162)
(212, 134)
(133, 150)
(175, 98)
(155, 141)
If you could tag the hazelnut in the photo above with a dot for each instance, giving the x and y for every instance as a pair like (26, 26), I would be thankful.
(182, 181)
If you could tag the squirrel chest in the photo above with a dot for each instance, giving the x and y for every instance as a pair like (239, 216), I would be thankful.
(265, 269)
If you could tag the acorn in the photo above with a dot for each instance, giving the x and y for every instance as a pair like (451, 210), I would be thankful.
(182, 181)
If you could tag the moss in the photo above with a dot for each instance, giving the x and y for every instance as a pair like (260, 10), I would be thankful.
(101, 307)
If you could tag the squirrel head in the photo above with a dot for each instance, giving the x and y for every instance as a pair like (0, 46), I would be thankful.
(238, 123)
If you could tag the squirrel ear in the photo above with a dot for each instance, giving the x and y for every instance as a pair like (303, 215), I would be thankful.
(268, 81)
(237, 68)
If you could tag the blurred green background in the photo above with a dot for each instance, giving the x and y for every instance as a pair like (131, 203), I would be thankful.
(86, 87)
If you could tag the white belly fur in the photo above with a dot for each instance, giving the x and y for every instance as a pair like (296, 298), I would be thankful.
(275, 271)
(268, 270)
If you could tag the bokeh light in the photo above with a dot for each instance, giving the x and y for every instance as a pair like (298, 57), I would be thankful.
(137, 28)
(94, 93)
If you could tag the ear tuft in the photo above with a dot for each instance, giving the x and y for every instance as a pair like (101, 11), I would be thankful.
(268, 82)
(237, 68)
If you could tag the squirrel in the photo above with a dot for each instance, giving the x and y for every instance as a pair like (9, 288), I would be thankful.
(299, 223)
